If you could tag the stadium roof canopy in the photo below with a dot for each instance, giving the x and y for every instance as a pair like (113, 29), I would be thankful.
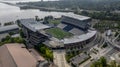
(75, 16)
(79, 38)
(33, 25)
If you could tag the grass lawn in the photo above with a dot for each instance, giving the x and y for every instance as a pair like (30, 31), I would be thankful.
(55, 22)
(59, 33)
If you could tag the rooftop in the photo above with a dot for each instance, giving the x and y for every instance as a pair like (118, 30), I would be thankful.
(9, 27)
(33, 25)
(79, 38)
(75, 16)
(13, 55)
(79, 58)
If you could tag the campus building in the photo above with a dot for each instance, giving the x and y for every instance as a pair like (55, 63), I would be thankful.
(9, 28)
(14, 55)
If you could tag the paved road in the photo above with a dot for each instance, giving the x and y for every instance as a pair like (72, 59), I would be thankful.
(112, 43)
(59, 58)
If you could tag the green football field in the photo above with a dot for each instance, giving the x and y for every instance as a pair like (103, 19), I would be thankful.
(58, 33)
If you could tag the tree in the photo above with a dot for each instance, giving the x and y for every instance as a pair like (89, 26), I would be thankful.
(96, 64)
(21, 33)
(103, 61)
(0, 24)
(18, 23)
(11, 33)
(100, 63)
(118, 65)
(116, 34)
(7, 38)
(8, 23)
(45, 51)
(37, 18)
(113, 64)
(46, 20)
(85, 13)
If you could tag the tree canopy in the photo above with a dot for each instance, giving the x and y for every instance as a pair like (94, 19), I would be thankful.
(103, 63)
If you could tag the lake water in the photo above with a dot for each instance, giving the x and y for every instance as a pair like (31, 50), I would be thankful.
(15, 1)
(12, 13)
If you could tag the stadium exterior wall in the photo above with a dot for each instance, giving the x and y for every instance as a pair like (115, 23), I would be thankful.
(79, 45)
(32, 38)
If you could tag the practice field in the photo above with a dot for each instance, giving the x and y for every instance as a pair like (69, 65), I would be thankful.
(58, 33)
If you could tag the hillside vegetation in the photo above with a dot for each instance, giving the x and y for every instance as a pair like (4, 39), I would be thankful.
(100, 5)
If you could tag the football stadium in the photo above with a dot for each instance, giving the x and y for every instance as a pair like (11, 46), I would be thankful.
(73, 31)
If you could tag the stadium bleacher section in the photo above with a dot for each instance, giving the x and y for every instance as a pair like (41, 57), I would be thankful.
(80, 23)
(61, 25)
(68, 28)
(76, 31)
